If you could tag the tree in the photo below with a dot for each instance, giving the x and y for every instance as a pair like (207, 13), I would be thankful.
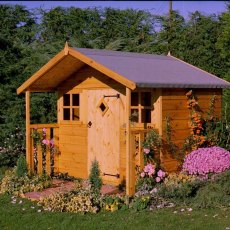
(222, 44)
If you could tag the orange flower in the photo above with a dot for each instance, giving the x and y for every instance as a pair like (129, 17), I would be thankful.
(189, 93)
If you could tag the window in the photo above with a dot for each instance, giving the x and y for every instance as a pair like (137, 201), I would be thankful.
(71, 107)
(141, 107)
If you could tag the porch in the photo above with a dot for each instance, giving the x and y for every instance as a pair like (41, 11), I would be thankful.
(48, 151)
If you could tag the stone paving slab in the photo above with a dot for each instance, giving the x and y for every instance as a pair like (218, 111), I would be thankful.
(65, 186)
(57, 186)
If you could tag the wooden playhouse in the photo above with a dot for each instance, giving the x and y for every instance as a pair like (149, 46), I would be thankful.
(98, 90)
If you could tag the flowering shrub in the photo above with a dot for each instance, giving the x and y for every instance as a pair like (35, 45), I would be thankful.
(150, 176)
(40, 138)
(12, 147)
(207, 160)
(152, 146)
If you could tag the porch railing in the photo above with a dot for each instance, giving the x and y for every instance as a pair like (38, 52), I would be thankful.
(44, 142)
(137, 139)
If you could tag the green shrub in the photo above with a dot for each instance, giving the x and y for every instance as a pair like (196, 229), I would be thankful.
(180, 192)
(21, 169)
(179, 187)
(95, 178)
(140, 203)
(214, 193)
(114, 203)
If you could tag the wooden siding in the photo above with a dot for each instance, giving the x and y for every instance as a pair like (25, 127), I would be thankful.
(73, 150)
(138, 131)
(174, 105)
(89, 78)
(101, 140)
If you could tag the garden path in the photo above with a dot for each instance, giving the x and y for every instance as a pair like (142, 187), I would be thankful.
(65, 186)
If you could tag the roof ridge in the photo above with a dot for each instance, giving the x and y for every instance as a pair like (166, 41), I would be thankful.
(125, 53)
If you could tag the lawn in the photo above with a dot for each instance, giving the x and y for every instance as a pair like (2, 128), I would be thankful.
(26, 215)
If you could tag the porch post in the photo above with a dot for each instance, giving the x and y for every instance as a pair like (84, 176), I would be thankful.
(28, 144)
(130, 174)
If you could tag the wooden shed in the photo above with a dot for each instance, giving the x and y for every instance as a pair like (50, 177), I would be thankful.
(98, 90)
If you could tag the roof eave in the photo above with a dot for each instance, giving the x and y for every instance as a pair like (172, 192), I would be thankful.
(115, 76)
(54, 61)
(180, 85)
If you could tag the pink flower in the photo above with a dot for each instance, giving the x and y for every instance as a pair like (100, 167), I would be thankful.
(161, 173)
(158, 179)
(146, 151)
(207, 160)
(151, 171)
(153, 190)
(51, 143)
(142, 174)
(44, 130)
(45, 142)
(149, 168)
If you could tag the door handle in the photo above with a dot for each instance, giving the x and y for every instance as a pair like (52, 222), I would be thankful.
(89, 124)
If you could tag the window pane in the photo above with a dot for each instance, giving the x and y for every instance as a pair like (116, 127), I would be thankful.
(75, 114)
(134, 115)
(146, 116)
(66, 114)
(146, 98)
(75, 99)
(134, 99)
(66, 100)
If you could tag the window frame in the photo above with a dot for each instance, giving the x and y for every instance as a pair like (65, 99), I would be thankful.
(140, 107)
(70, 107)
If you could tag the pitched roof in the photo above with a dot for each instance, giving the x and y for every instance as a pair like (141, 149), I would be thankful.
(129, 69)
(158, 71)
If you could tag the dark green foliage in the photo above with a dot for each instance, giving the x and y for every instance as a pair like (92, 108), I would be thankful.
(140, 203)
(153, 142)
(211, 193)
(12, 147)
(27, 43)
(21, 169)
(215, 193)
(186, 190)
(94, 177)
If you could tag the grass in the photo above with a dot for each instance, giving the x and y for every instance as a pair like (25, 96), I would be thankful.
(23, 216)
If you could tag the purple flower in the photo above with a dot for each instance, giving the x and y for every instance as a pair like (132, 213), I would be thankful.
(207, 160)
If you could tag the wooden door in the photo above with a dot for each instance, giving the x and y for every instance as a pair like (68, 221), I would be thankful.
(103, 133)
